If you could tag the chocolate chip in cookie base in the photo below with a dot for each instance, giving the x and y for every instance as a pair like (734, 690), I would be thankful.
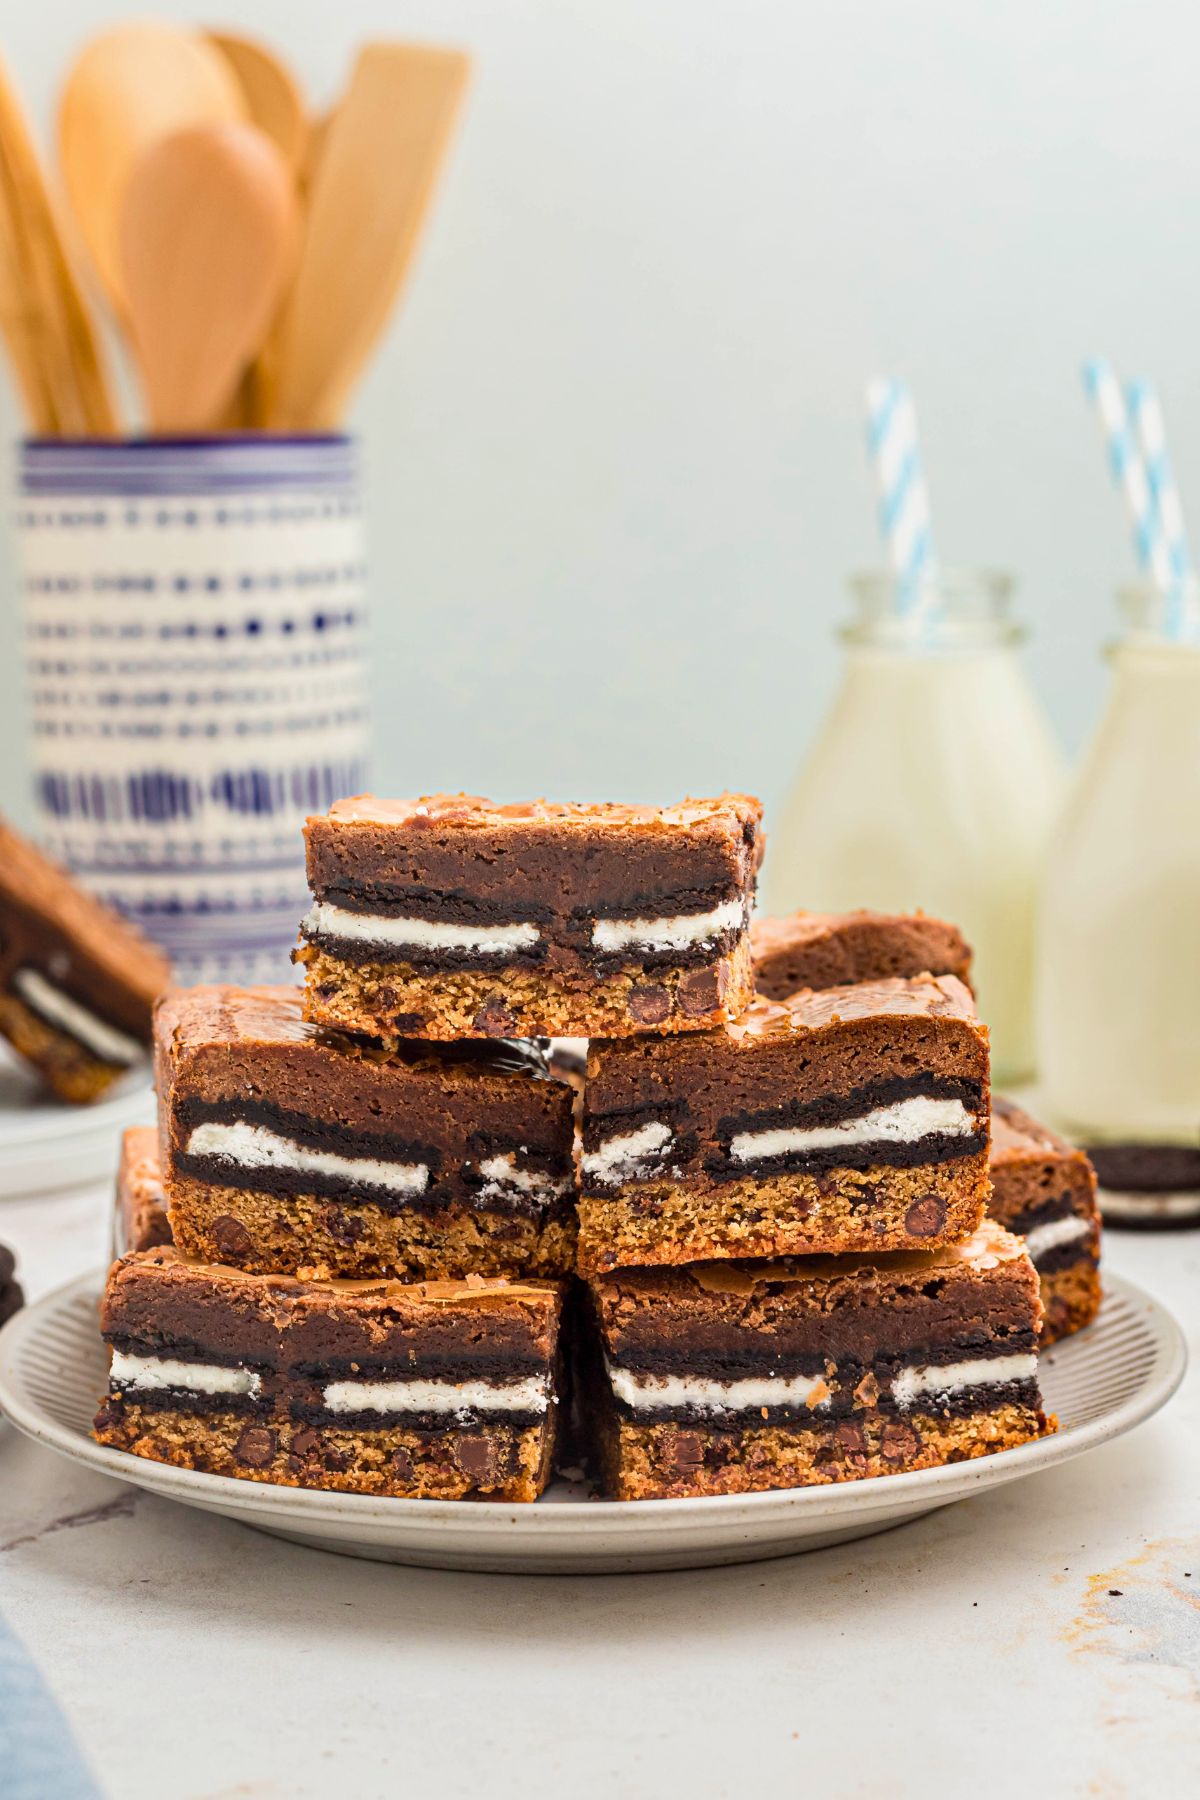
(391, 1001)
(789, 1214)
(478, 1461)
(675, 1462)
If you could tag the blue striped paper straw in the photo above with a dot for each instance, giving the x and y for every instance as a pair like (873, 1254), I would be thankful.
(904, 516)
(1128, 469)
(1145, 409)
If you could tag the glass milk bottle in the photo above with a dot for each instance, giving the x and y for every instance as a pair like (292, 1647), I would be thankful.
(1119, 942)
(932, 783)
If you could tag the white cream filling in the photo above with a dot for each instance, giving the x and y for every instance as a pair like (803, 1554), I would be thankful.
(503, 1173)
(903, 1122)
(150, 1373)
(912, 1385)
(618, 1157)
(530, 1395)
(647, 1392)
(57, 1008)
(253, 1147)
(677, 933)
(1056, 1232)
(325, 919)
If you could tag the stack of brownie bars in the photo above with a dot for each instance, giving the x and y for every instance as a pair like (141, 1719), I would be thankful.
(349, 1252)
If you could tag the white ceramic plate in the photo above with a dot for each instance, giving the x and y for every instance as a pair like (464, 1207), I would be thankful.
(1101, 1383)
(47, 1146)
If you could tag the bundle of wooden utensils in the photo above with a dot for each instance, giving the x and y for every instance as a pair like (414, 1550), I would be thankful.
(249, 251)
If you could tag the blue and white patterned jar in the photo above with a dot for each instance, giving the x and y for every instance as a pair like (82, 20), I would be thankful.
(196, 657)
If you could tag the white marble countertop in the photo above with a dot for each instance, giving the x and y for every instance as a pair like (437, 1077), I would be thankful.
(1043, 1637)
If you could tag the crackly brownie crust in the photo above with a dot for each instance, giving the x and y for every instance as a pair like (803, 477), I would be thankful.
(452, 917)
(729, 1377)
(855, 1118)
(822, 950)
(77, 981)
(284, 1149)
(434, 1389)
(1045, 1189)
(140, 1219)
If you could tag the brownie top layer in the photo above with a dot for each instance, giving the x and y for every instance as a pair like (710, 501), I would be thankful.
(822, 950)
(272, 1018)
(1018, 1137)
(463, 859)
(1036, 1175)
(779, 1053)
(248, 1052)
(470, 812)
(800, 1015)
(163, 1300)
(842, 1307)
(79, 944)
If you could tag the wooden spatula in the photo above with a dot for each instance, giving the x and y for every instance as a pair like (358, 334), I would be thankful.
(275, 104)
(207, 234)
(126, 88)
(379, 162)
(52, 340)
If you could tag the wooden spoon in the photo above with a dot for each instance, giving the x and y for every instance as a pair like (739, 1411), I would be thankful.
(272, 95)
(44, 315)
(126, 88)
(207, 237)
(382, 150)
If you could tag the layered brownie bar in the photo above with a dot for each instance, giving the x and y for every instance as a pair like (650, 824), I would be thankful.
(286, 1150)
(451, 917)
(11, 1297)
(820, 950)
(1045, 1189)
(851, 1119)
(77, 982)
(438, 1390)
(140, 1219)
(727, 1377)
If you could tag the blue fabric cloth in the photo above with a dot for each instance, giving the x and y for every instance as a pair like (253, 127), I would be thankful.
(38, 1755)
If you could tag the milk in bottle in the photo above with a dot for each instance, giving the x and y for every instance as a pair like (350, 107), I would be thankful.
(1118, 1010)
(932, 783)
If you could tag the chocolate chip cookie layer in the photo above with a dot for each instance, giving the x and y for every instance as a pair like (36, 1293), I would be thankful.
(451, 917)
(820, 950)
(284, 1149)
(851, 1119)
(725, 1377)
(435, 1390)
(1045, 1189)
(77, 981)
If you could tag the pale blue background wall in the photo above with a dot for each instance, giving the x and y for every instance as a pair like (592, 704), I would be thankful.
(615, 439)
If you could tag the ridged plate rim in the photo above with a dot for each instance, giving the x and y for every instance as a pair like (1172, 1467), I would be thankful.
(567, 1534)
